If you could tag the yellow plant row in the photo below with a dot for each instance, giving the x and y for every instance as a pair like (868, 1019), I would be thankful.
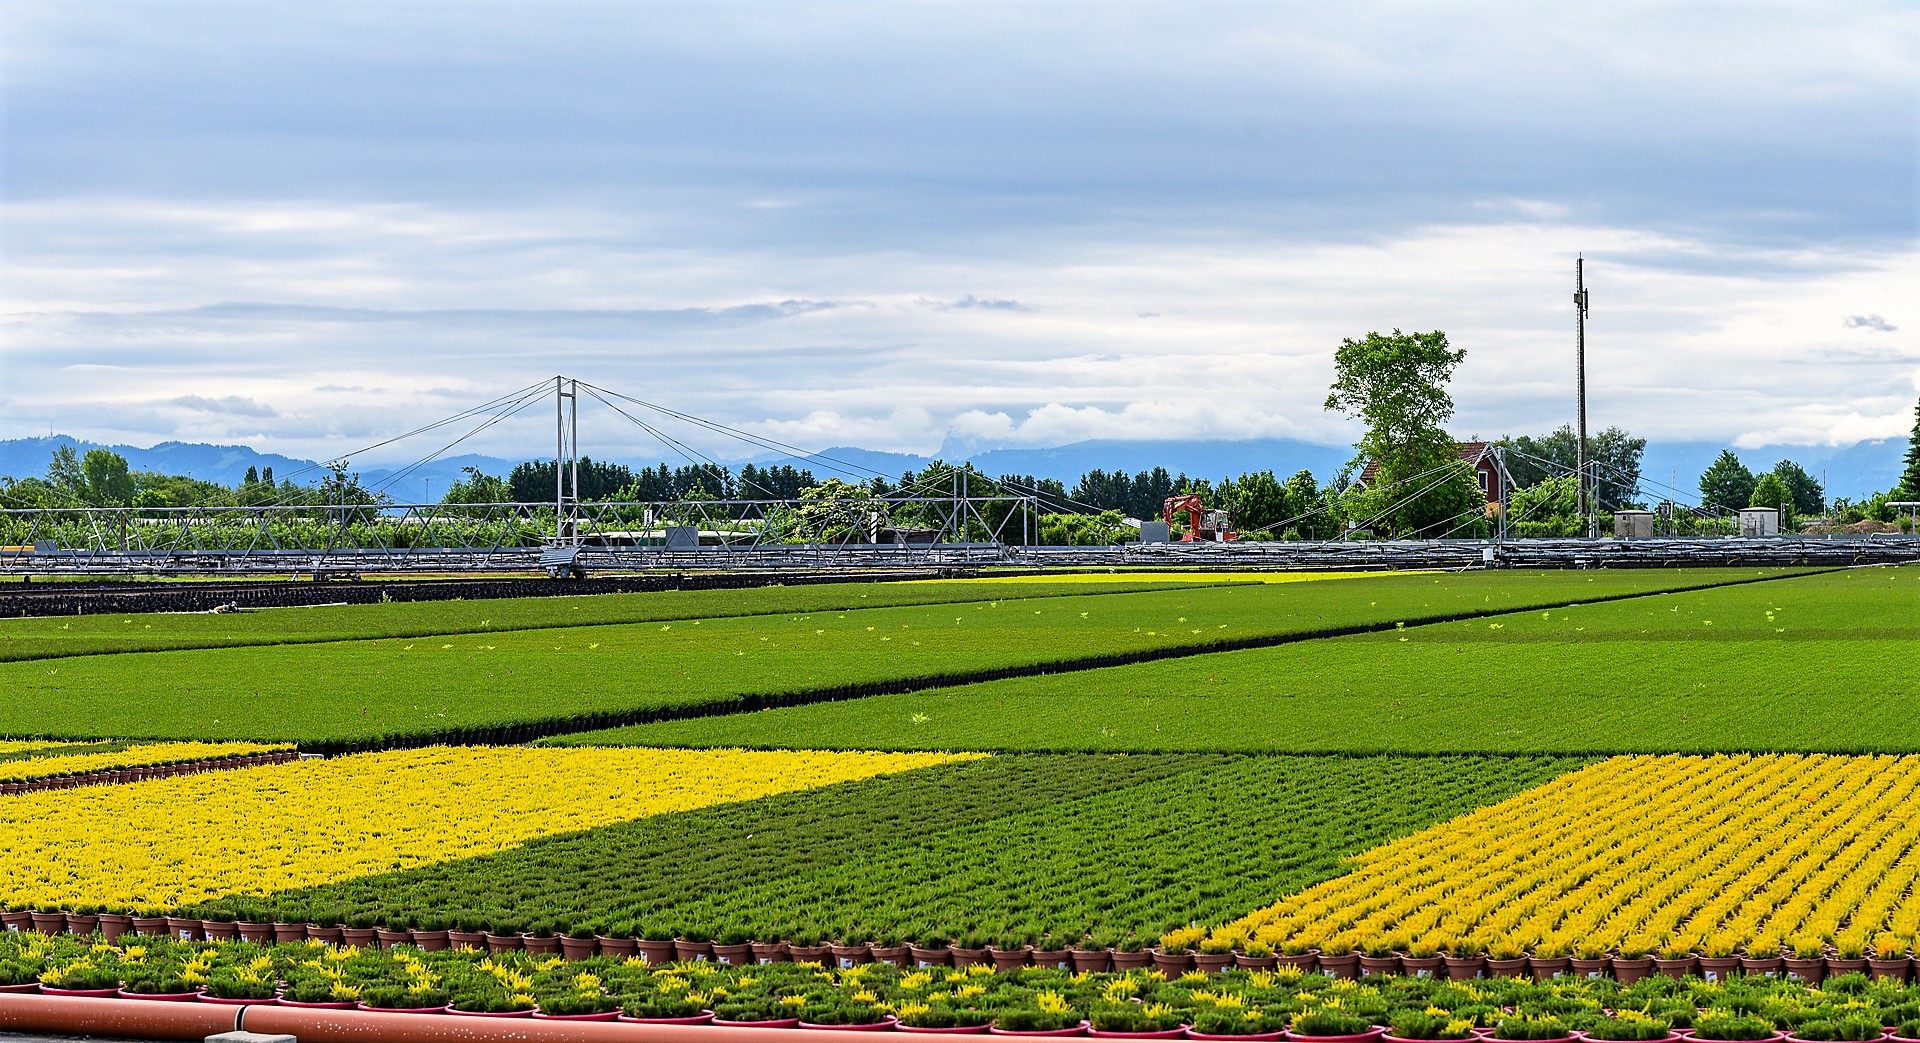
(143, 755)
(12, 746)
(161, 844)
(1645, 854)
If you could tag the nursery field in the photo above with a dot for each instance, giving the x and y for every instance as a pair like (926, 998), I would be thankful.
(368, 691)
(1813, 663)
(1692, 764)
(46, 637)
(24, 761)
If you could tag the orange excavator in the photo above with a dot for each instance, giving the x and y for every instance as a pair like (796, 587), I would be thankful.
(1203, 526)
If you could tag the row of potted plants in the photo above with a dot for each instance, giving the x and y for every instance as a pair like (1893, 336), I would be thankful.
(1235, 1004)
(1173, 956)
(139, 772)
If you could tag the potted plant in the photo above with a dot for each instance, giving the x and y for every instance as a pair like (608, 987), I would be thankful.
(1378, 956)
(616, 940)
(1856, 1028)
(1028, 1021)
(588, 1004)
(1761, 958)
(1630, 1026)
(1009, 953)
(1725, 1025)
(1296, 954)
(1051, 951)
(401, 999)
(1718, 957)
(158, 983)
(1465, 959)
(1422, 1025)
(930, 950)
(733, 947)
(1505, 958)
(431, 934)
(1422, 958)
(753, 1012)
(320, 992)
(1807, 962)
(1890, 959)
(1130, 953)
(1536, 1030)
(693, 945)
(805, 947)
(540, 940)
(859, 1017)
(239, 987)
(665, 1009)
(1331, 1026)
(1675, 959)
(578, 942)
(1236, 1025)
(1907, 1031)
(1257, 956)
(1135, 1021)
(1634, 961)
(80, 978)
(466, 933)
(493, 1002)
(1338, 960)
(1849, 954)
(940, 1018)
(1551, 958)
(1589, 960)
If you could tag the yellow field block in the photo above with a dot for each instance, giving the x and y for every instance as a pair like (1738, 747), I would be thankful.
(29, 745)
(1708, 854)
(157, 845)
(142, 755)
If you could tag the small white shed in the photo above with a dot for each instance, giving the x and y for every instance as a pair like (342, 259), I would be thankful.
(1759, 521)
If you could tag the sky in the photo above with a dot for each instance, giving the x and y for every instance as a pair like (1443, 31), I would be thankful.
(923, 226)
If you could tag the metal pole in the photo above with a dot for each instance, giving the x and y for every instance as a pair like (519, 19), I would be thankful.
(1580, 384)
(559, 458)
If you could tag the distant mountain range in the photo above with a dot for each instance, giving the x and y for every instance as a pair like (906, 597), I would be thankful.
(1854, 472)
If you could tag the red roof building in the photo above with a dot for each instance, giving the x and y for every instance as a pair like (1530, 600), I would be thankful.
(1495, 482)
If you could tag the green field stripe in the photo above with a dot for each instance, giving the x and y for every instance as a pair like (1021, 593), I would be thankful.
(516, 686)
(1646, 675)
(1010, 844)
(51, 637)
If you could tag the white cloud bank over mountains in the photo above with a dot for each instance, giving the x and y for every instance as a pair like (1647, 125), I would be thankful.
(908, 228)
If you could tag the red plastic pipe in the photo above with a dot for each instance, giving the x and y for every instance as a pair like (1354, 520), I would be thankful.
(149, 1019)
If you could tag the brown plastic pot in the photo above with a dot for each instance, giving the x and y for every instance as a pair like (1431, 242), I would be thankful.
(1514, 968)
(113, 925)
(1378, 965)
(1627, 970)
(257, 933)
(184, 929)
(17, 920)
(1809, 971)
(618, 948)
(503, 942)
(767, 952)
(1464, 968)
(1254, 963)
(1837, 966)
(49, 923)
(1717, 968)
(851, 955)
(655, 950)
(431, 941)
(688, 952)
(737, 955)
(1547, 968)
(809, 953)
(283, 933)
(1006, 961)
(328, 935)
(388, 939)
(1422, 966)
(1675, 968)
(966, 957)
(358, 937)
(1091, 960)
(1061, 959)
(1763, 966)
(579, 948)
(220, 930)
(540, 946)
(82, 924)
(1171, 964)
(941, 957)
(1212, 962)
(1347, 966)
(897, 955)
(1137, 959)
(461, 939)
(1891, 968)
(1589, 968)
(1306, 961)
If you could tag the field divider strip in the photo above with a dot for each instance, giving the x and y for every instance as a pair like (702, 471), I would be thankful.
(521, 733)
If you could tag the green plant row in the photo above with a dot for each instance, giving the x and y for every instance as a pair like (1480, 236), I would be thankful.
(1005, 849)
(46, 637)
(1233, 1002)
(1805, 664)
(375, 691)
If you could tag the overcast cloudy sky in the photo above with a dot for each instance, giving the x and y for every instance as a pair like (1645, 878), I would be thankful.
(903, 225)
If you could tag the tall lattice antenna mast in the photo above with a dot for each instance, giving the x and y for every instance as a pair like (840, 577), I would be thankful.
(1582, 477)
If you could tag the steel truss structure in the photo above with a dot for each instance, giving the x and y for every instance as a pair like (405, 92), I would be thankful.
(879, 531)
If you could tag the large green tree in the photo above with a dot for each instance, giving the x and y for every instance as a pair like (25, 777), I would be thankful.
(1614, 453)
(109, 483)
(1396, 385)
(1809, 498)
(1909, 487)
(1727, 484)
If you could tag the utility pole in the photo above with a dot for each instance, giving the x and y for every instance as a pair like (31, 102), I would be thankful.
(566, 456)
(1581, 477)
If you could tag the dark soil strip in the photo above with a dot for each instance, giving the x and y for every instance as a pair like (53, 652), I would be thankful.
(153, 771)
(74, 599)
(523, 733)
